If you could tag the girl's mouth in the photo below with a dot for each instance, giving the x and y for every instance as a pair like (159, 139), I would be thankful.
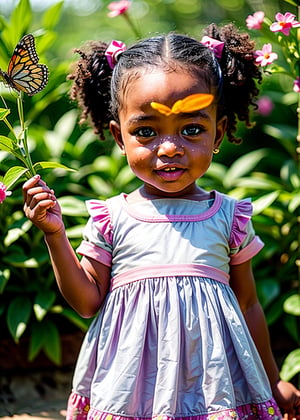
(170, 173)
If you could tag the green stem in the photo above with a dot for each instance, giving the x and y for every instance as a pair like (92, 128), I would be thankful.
(23, 144)
(131, 24)
(21, 112)
(298, 134)
(27, 154)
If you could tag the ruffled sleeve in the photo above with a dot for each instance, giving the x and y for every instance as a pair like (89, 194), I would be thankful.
(97, 234)
(242, 216)
(100, 215)
(244, 244)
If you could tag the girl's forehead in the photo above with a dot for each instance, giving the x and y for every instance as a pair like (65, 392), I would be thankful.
(163, 86)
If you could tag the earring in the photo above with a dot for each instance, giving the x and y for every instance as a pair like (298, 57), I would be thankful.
(216, 151)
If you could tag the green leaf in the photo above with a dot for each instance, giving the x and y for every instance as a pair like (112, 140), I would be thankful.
(18, 314)
(43, 302)
(291, 365)
(294, 203)
(72, 316)
(52, 16)
(72, 206)
(8, 145)
(267, 290)
(75, 232)
(293, 3)
(124, 177)
(17, 258)
(265, 201)
(243, 165)
(21, 18)
(51, 165)
(290, 323)
(13, 175)
(37, 339)
(285, 134)
(17, 230)
(52, 346)
(258, 183)
(4, 277)
(292, 305)
(4, 113)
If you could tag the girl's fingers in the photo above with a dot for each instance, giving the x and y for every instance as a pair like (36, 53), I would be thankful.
(44, 199)
(35, 190)
(30, 183)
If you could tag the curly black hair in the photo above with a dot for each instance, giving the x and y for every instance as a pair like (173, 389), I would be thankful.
(234, 77)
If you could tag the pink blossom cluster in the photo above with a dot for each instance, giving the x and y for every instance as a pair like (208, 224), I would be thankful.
(284, 23)
(3, 192)
(118, 7)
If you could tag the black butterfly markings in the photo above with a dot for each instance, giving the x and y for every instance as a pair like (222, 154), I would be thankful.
(24, 73)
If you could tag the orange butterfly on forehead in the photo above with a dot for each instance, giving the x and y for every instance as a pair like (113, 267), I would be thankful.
(24, 73)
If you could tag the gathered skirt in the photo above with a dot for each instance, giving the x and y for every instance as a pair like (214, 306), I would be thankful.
(167, 348)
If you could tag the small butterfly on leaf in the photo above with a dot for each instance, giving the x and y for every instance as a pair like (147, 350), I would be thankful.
(24, 73)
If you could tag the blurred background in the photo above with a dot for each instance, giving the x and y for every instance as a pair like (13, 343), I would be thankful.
(38, 329)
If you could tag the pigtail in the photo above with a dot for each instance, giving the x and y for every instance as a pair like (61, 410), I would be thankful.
(91, 86)
(240, 75)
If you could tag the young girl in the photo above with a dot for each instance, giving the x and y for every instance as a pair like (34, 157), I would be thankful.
(179, 332)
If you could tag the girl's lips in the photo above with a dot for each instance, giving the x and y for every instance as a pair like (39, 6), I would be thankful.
(170, 174)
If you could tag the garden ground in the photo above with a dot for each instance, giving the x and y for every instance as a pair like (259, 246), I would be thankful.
(36, 396)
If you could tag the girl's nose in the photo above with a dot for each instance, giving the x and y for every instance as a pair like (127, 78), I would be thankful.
(170, 146)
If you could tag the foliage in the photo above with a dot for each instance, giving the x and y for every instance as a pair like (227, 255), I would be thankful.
(283, 210)
(28, 304)
(263, 167)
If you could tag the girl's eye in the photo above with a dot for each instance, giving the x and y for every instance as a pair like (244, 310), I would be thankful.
(144, 132)
(192, 130)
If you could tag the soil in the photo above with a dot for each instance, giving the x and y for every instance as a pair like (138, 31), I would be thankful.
(36, 395)
(38, 389)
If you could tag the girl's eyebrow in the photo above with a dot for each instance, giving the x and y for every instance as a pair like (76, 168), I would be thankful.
(194, 114)
(141, 118)
(182, 115)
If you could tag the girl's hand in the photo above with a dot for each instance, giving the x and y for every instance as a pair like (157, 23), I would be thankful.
(41, 206)
(288, 398)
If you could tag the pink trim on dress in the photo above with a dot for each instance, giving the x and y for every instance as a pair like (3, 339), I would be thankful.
(166, 218)
(267, 410)
(95, 252)
(78, 407)
(248, 252)
(167, 270)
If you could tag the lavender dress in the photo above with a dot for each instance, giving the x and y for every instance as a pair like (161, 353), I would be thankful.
(170, 341)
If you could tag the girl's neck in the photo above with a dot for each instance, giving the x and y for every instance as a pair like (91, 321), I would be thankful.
(142, 193)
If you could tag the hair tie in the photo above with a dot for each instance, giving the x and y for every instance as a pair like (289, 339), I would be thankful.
(112, 52)
(214, 45)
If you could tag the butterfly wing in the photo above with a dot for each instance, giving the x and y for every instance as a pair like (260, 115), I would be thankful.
(24, 73)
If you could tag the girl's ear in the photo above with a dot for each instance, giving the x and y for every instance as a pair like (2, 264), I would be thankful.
(115, 130)
(220, 131)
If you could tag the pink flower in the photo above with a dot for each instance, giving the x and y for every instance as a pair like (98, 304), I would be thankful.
(255, 21)
(265, 106)
(284, 23)
(3, 192)
(118, 7)
(296, 87)
(265, 56)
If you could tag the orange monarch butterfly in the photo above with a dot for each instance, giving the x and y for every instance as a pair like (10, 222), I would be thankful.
(24, 73)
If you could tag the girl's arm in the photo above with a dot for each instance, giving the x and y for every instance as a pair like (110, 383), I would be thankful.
(243, 284)
(83, 284)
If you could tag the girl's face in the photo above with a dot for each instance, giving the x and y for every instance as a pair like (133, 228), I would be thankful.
(168, 153)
